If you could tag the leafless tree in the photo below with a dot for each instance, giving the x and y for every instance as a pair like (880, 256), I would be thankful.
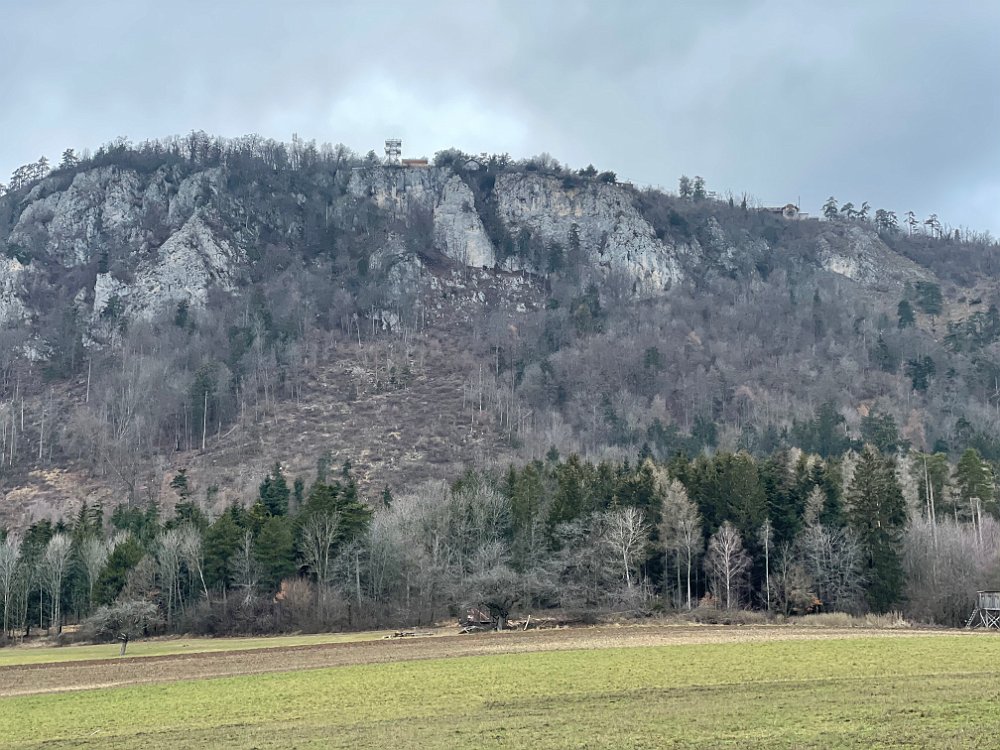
(55, 562)
(765, 536)
(193, 554)
(123, 621)
(319, 534)
(945, 566)
(627, 532)
(832, 557)
(168, 561)
(245, 573)
(791, 585)
(10, 553)
(681, 530)
(94, 553)
(494, 584)
(814, 505)
(726, 564)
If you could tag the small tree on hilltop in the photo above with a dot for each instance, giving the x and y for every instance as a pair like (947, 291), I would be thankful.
(684, 187)
(830, 210)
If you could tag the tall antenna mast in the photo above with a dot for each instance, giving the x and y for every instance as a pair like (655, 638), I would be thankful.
(393, 150)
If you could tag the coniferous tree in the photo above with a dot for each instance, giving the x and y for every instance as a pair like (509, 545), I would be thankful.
(830, 210)
(905, 314)
(877, 514)
(274, 492)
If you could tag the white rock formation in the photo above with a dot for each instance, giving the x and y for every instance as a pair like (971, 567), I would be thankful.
(186, 266)
(613, 235)
(862, 257)
(458, 230)
(11, 280)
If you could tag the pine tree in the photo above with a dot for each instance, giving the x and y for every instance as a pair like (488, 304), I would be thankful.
(684, 186)
(274, 492)
(974, 482)
(877, 513)
(830, 208)
(905, 313)
(698, 191)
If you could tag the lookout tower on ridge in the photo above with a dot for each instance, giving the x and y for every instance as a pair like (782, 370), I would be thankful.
(393, 150)
(987, 611)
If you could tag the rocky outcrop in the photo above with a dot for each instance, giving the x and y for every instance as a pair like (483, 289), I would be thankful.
(155, 238)
(108, 211)
(411, 194)
(185, 268)
(11, 283)
(612, 234)
(861, 256)
(458, 230)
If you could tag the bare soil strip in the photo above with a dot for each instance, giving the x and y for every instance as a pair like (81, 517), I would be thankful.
(33, 679)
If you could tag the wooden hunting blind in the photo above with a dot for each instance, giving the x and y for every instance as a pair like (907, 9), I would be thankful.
(987, 611)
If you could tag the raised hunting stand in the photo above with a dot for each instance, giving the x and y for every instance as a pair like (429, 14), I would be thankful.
(987, 611)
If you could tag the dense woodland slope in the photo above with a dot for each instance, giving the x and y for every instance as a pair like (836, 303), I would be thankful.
(204, 308)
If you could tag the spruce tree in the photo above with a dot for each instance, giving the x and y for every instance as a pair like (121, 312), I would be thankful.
(877, 513)
(274, 492)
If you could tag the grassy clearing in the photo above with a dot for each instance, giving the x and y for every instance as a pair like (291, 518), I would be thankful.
(169, 646)
(863, 692)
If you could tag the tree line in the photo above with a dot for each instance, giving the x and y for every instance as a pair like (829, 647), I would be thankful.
(792, 533)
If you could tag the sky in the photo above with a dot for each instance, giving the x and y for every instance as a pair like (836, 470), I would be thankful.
(894, 103)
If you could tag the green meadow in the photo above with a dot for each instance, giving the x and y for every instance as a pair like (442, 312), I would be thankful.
(941, 691)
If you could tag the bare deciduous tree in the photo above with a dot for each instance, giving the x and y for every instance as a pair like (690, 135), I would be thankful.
(193, 554)
(726, 564)
(766, 539)
(832, 557)
(319, 533)
(245, 573)
(494, 584)
(55, 561)
(94, 554)
(168, 561)
(680, 530)
(10, 554)
(627, 532)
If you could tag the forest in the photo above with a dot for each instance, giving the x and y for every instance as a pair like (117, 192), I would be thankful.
(793, 533)
(768, 433)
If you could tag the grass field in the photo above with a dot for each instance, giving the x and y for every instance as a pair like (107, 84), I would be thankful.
(850, 690)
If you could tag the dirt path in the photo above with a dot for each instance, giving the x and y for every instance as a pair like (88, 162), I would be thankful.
(84, 675)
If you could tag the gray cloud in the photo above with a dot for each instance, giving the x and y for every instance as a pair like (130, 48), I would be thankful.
(891, 102)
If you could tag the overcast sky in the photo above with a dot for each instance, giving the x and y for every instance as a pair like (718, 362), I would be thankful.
(896, 103)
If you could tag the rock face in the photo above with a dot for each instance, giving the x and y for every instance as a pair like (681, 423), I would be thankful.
(11, 278)
(458, 230)
(108, 210)
(138, 242)
(185, 267)
(612, 234)
(862, 257)
(149, 228)
(409, 194)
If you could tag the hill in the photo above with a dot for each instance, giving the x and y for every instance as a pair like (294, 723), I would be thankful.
(218, 305)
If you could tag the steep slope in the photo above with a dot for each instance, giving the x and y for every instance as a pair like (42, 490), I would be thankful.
(275, 303)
